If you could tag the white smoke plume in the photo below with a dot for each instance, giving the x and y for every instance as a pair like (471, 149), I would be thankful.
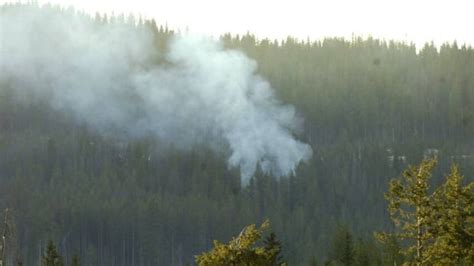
(107, 77)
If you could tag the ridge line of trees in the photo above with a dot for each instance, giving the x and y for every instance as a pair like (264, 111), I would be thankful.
(370, 108)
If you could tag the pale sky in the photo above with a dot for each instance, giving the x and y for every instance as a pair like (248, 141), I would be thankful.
(418, 21)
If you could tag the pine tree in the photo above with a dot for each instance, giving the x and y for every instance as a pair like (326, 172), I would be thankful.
(342, 249)
(240, 250)
(454, 242)
(52, 257)
(273, 246)
(411, 211)
(439, 227)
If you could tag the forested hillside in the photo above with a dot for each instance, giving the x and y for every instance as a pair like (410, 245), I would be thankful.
(370, 108)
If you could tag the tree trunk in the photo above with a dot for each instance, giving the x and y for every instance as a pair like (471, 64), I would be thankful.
(419, 244)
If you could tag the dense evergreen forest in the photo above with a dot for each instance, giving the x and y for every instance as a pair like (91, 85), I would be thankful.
(370, 107)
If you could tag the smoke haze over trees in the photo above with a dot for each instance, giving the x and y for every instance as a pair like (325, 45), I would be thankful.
(116, 134)
(107, 76)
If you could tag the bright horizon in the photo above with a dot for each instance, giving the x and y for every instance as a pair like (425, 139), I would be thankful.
(409, 21)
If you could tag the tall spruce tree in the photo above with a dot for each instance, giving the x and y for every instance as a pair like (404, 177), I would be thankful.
(454, 225)
(273, 246)
(52, 257)
(342, 248)
(410, 209)
(438, 226)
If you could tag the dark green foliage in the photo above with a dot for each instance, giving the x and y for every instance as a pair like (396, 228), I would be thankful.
(453, 229)
(362, 253)
(51, 256)
(75, 261)
(435, 227)
(346, 250)
(313, 261)
(272, 243)
(366, 253)
(370, 107)
(342, 247)
(391, 252)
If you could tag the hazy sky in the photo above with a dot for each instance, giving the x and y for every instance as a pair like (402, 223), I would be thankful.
(416, 20)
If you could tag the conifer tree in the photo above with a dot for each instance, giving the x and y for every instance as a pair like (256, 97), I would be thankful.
(273, 246)
(52, 257)
(438, 226)
(453, 203)
(411, 211)
(342, 249)
(240, 250)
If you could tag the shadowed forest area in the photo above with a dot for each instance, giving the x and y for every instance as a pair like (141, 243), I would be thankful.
(370, 107)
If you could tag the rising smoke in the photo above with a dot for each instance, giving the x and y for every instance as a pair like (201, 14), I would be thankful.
(106, 76)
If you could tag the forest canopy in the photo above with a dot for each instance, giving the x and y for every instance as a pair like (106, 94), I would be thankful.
(367, 108)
